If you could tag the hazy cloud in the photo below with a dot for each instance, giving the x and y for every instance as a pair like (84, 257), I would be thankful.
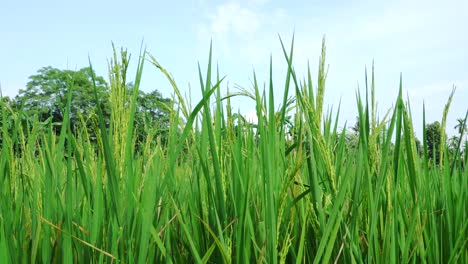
(240, 28)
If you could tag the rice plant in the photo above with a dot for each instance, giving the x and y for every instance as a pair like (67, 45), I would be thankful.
(289, 189)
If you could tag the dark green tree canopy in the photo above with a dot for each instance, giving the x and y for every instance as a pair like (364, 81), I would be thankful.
(433, 137)
(152, 112)
(461, 128)
(153, 106)
(46, 92)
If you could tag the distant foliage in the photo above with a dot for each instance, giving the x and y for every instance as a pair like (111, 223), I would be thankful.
(433, 137)
(45, 97)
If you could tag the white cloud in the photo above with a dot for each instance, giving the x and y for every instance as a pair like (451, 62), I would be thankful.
(242, 30)
(231, 17)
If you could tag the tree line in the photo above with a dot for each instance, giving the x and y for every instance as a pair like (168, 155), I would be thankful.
(44, 99)
(433, 131)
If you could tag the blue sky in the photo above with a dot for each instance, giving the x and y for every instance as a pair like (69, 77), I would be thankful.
(427, 41)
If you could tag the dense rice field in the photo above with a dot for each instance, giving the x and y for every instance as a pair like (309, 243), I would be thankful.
(223, 190)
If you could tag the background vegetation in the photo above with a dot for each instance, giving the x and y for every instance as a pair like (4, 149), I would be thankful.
(96, 171)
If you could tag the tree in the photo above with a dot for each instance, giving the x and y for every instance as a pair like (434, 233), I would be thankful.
(433, 137)
(453, 145)
(46, 93)
(352, 135)
(454, 141)
(460, 127)
(154, 108)
(356, 127)
(153, 112)
(46, 96)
